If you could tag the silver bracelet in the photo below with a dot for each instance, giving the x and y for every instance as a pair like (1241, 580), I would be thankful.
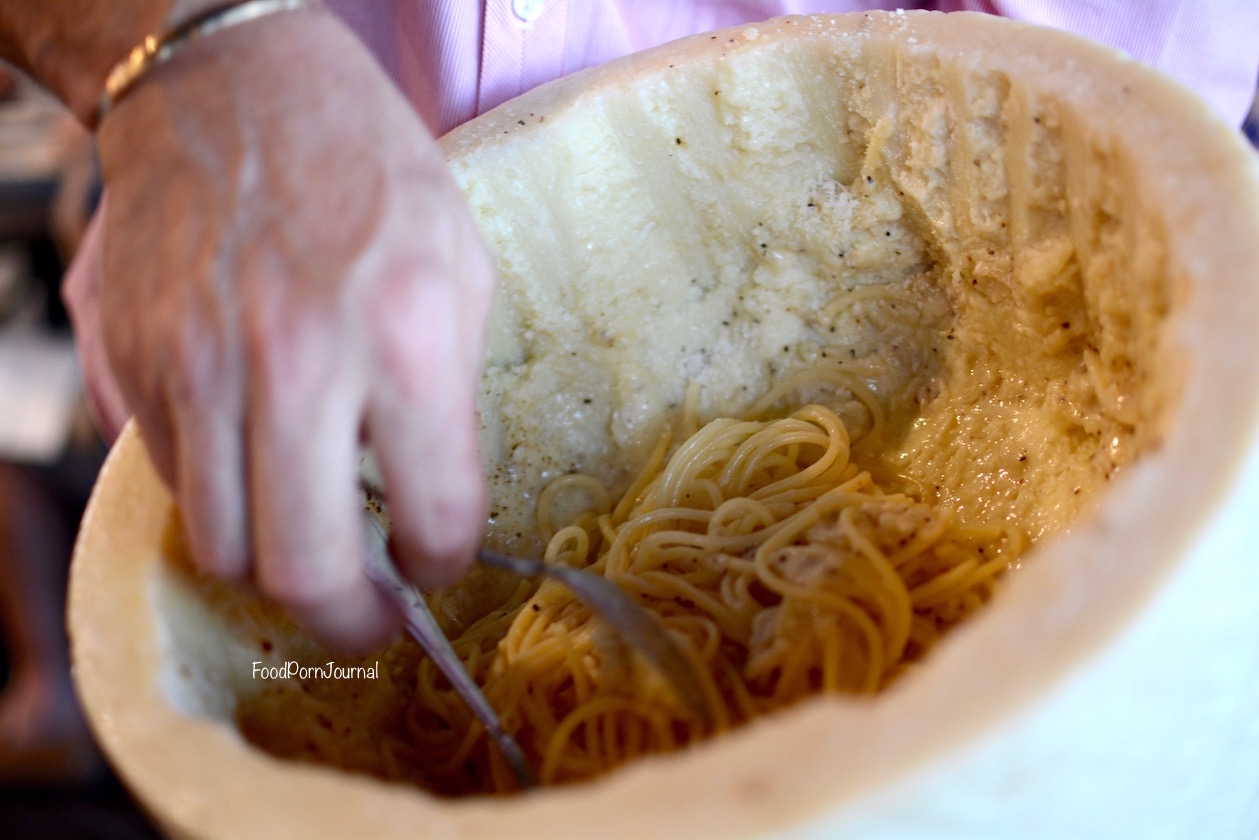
(155, 50)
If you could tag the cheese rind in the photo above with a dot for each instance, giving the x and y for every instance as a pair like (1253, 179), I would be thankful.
(1119, 140)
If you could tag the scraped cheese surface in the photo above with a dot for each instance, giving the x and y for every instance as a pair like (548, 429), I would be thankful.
(983, 270)
(1046, 181)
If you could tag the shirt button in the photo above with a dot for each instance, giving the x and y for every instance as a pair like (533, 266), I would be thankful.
(527, 10)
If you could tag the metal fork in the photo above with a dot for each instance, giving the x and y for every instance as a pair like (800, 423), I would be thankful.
(423, 628)
(636, 626)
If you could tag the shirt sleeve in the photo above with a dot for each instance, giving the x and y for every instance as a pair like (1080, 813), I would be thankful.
(1210, 45)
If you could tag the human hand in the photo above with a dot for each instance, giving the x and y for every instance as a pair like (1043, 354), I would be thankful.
(290, 271)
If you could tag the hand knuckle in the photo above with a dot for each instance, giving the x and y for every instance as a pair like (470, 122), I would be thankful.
(284, 579)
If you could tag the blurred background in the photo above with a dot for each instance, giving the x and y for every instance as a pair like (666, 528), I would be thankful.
(53, 783)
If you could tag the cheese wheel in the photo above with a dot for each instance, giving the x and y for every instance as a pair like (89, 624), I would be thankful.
(1071, 240)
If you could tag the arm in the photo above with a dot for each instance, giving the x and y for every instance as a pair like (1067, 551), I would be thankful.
(289, 271)
(70, 46)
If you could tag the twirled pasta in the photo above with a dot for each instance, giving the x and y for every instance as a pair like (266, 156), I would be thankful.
(780, 565)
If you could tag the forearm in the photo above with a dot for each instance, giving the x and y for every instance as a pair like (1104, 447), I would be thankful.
(69, 46)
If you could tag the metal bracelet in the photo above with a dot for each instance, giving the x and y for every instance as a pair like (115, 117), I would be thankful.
(155, 50)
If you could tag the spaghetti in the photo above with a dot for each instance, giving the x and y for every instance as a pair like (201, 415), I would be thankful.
(781, 567)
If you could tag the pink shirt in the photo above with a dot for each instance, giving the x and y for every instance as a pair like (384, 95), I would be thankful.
(458, 58)
(454, 59)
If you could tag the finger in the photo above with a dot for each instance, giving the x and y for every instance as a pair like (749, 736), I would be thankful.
(157, 432)
(422, 425)
(476, 285)
(129, 355)
(308, 527)
(147, 403)
(211, 488)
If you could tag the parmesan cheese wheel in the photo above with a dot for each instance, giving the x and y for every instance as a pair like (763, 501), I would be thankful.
(1039, 255)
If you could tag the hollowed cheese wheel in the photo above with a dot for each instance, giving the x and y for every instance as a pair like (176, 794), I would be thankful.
(1077, 238)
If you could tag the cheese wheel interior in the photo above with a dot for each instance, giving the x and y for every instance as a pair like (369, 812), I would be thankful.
(1036, 253)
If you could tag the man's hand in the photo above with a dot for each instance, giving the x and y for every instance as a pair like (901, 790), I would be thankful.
(291, 272)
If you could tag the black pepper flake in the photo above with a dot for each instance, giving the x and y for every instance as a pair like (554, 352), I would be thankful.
(1022, 457)
(587, 401)
(869, 180)
(535, 607)
(677, 140)
(520, 122)
(1066, 325)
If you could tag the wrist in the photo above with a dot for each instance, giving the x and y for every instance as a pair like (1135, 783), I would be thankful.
(211, 26)
(70, 47)
(211, 88)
